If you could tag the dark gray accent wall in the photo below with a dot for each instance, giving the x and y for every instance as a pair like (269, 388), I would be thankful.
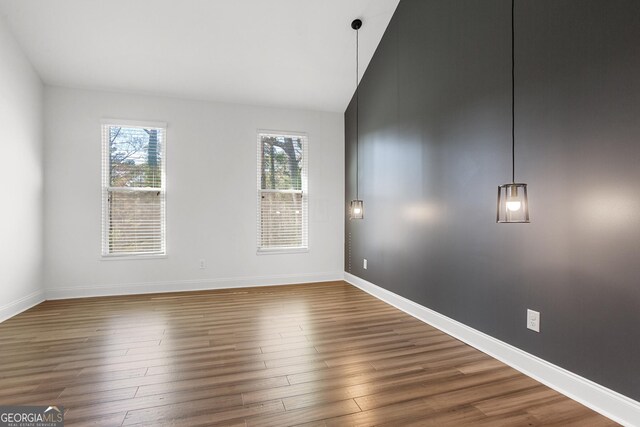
(435, 129)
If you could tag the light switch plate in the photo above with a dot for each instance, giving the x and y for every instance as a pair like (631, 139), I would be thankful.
(364, 264)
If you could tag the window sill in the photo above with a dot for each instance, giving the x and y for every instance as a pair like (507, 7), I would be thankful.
(282, 251)
(132, 257)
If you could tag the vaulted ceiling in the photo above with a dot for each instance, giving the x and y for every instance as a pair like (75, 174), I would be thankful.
(288, 53)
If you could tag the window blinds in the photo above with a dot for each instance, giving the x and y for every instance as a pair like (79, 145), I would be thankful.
(282, 191)
(133, 190)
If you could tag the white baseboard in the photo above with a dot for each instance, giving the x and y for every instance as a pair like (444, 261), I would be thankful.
(609, 403)
(187, 285)
(20, 305)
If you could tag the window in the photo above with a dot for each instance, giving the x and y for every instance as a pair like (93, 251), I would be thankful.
(282, 192)
(133, 189)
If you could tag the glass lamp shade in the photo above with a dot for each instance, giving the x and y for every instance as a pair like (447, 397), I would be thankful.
(513, 205)
(356, 209)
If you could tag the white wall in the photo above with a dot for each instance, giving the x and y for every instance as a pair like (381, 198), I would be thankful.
(211, 195)
(21, 175)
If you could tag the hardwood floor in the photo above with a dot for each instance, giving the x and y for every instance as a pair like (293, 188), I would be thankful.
(323, 354)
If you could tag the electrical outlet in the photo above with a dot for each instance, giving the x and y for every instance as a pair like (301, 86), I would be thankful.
(533, 320)
(364, 264)
(203, 264)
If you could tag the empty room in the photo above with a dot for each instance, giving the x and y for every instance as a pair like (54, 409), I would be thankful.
(321, 213)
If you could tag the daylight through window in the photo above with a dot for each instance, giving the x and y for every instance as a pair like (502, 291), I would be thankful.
(133, 190)
(282, 192)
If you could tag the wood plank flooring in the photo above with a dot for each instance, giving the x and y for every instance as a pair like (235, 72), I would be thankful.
(324, 354)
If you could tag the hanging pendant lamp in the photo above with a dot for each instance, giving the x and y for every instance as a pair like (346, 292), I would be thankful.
(356, 206)
(513, 204)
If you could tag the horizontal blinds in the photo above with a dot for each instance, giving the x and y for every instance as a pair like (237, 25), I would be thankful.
(282, 191)
(135, 222)
(133, 190)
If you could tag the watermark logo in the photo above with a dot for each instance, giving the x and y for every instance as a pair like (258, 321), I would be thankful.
(31, 416)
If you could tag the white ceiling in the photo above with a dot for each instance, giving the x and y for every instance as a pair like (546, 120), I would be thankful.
(290, 53)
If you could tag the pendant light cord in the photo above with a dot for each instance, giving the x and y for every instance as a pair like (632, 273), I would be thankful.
(513, 97)
(357, 114)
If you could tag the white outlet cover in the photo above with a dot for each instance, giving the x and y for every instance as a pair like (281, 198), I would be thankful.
(533, 320)
(364, 264)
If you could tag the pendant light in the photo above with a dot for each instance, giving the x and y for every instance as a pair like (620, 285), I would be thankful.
(356, 207)
(513, 204)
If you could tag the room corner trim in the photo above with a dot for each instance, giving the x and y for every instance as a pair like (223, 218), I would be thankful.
(607, 402)
(9, 310)
(84, 291)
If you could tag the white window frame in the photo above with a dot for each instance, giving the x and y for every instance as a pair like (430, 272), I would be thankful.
(106, 189)
(304, 192)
